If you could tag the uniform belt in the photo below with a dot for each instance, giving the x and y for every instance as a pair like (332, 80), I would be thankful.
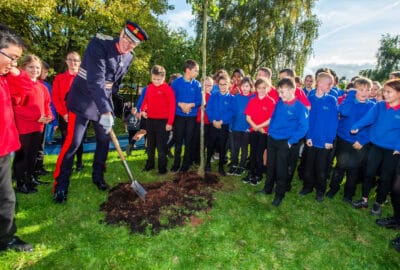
(82, 73)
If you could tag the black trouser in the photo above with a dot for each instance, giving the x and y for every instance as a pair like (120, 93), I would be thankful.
(157, 137)
(240, 141)
(62, 126)
(315, 168)
(277, 164)
(379, 156)
(258, 143)
(184, 128)
(196, 147)
(25, 157)
(395, 194)
(349, 161)
(7, 202)
(218, 138)
(40, 156)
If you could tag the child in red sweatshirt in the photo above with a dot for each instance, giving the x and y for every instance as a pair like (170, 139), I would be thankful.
(31, 104)
(159, 103)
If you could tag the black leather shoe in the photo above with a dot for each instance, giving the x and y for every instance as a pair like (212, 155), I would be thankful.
(25, 189)
(330, 194)
(389, 223)
(277, 201)
(221, 171)
(42, 171)
(320, 197)
(101, 185)
(17, 244)
(396, 243)
(36, 181)
(60, 196)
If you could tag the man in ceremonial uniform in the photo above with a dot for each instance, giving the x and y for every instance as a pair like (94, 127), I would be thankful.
(104, 64)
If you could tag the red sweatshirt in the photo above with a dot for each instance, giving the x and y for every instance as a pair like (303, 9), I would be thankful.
(260, 110)
(198, 119)
(159, 102)
(9, 140)
(301, 96)
(61, 85)
(33, 103)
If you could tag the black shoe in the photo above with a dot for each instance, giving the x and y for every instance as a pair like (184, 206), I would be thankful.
(60, 196)
(388, 223)
(247, 179)
(79, 167)
(184, 169)
(174, 168)
(265, 191)
(239, 171)
(360, 204)
(162, 171)
(25, 189)
(101, 185)
(35, 181)
(169, 154)
(42, 171)
(330, 194)
(396, 243)
(277, 201)
(254, 181)
(232, 170)
(221, 171)
(376, 209)
(347, 200)
(320, 197)
(17, 244)
(305, 191)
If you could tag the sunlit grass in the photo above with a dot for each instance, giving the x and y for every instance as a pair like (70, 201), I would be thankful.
(242, 231)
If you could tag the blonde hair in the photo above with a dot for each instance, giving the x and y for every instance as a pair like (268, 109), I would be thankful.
(325, 75)
(29, 58)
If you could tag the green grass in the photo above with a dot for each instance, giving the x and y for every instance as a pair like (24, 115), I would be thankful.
(242, 231)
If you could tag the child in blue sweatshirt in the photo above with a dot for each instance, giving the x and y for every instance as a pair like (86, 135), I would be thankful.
(323, 122)
(383, 121)
(240, 128)
(220, 112)
(351, 149)
(289, 124)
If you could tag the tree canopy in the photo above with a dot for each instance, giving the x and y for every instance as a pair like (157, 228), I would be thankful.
(251, 34)
(388, 59)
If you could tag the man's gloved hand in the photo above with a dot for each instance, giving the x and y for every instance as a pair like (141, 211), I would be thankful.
(107, 121)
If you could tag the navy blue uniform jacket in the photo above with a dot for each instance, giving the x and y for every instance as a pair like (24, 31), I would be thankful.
(100, 74)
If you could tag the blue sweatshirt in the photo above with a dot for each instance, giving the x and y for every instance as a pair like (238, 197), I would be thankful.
(323, 120)
(239, 122)
(220, 107)
(289, 121)
(384, 124)
(350, 111)
(187, 92)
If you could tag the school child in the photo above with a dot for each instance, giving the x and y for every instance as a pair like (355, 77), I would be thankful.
(351, 149)
(394, 221)
(159, 102)
(196, 150)
(133, 126)
(32, 112)
(384, 123)
(258, 114)
(220, 112)
(289, 124)
(240, 128)
(374, 90)
(299, 94)
(323, 121)
(379, 95)
(308, 84)
(188, 100)
(237, 76)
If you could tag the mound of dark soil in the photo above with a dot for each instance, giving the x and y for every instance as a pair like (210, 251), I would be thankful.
(167, 204)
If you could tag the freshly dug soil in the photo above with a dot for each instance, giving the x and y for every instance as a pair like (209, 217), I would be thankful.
(168, 203)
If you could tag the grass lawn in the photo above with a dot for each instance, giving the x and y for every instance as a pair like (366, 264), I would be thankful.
(242, 231)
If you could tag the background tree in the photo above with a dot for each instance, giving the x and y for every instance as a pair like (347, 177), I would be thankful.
(52, 28)
(388, 59)
(251, 34)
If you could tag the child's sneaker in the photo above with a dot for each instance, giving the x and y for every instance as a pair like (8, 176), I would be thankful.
(376, 209)
(247, 179)
(255, 180)
(239, 171)
(232, 170)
